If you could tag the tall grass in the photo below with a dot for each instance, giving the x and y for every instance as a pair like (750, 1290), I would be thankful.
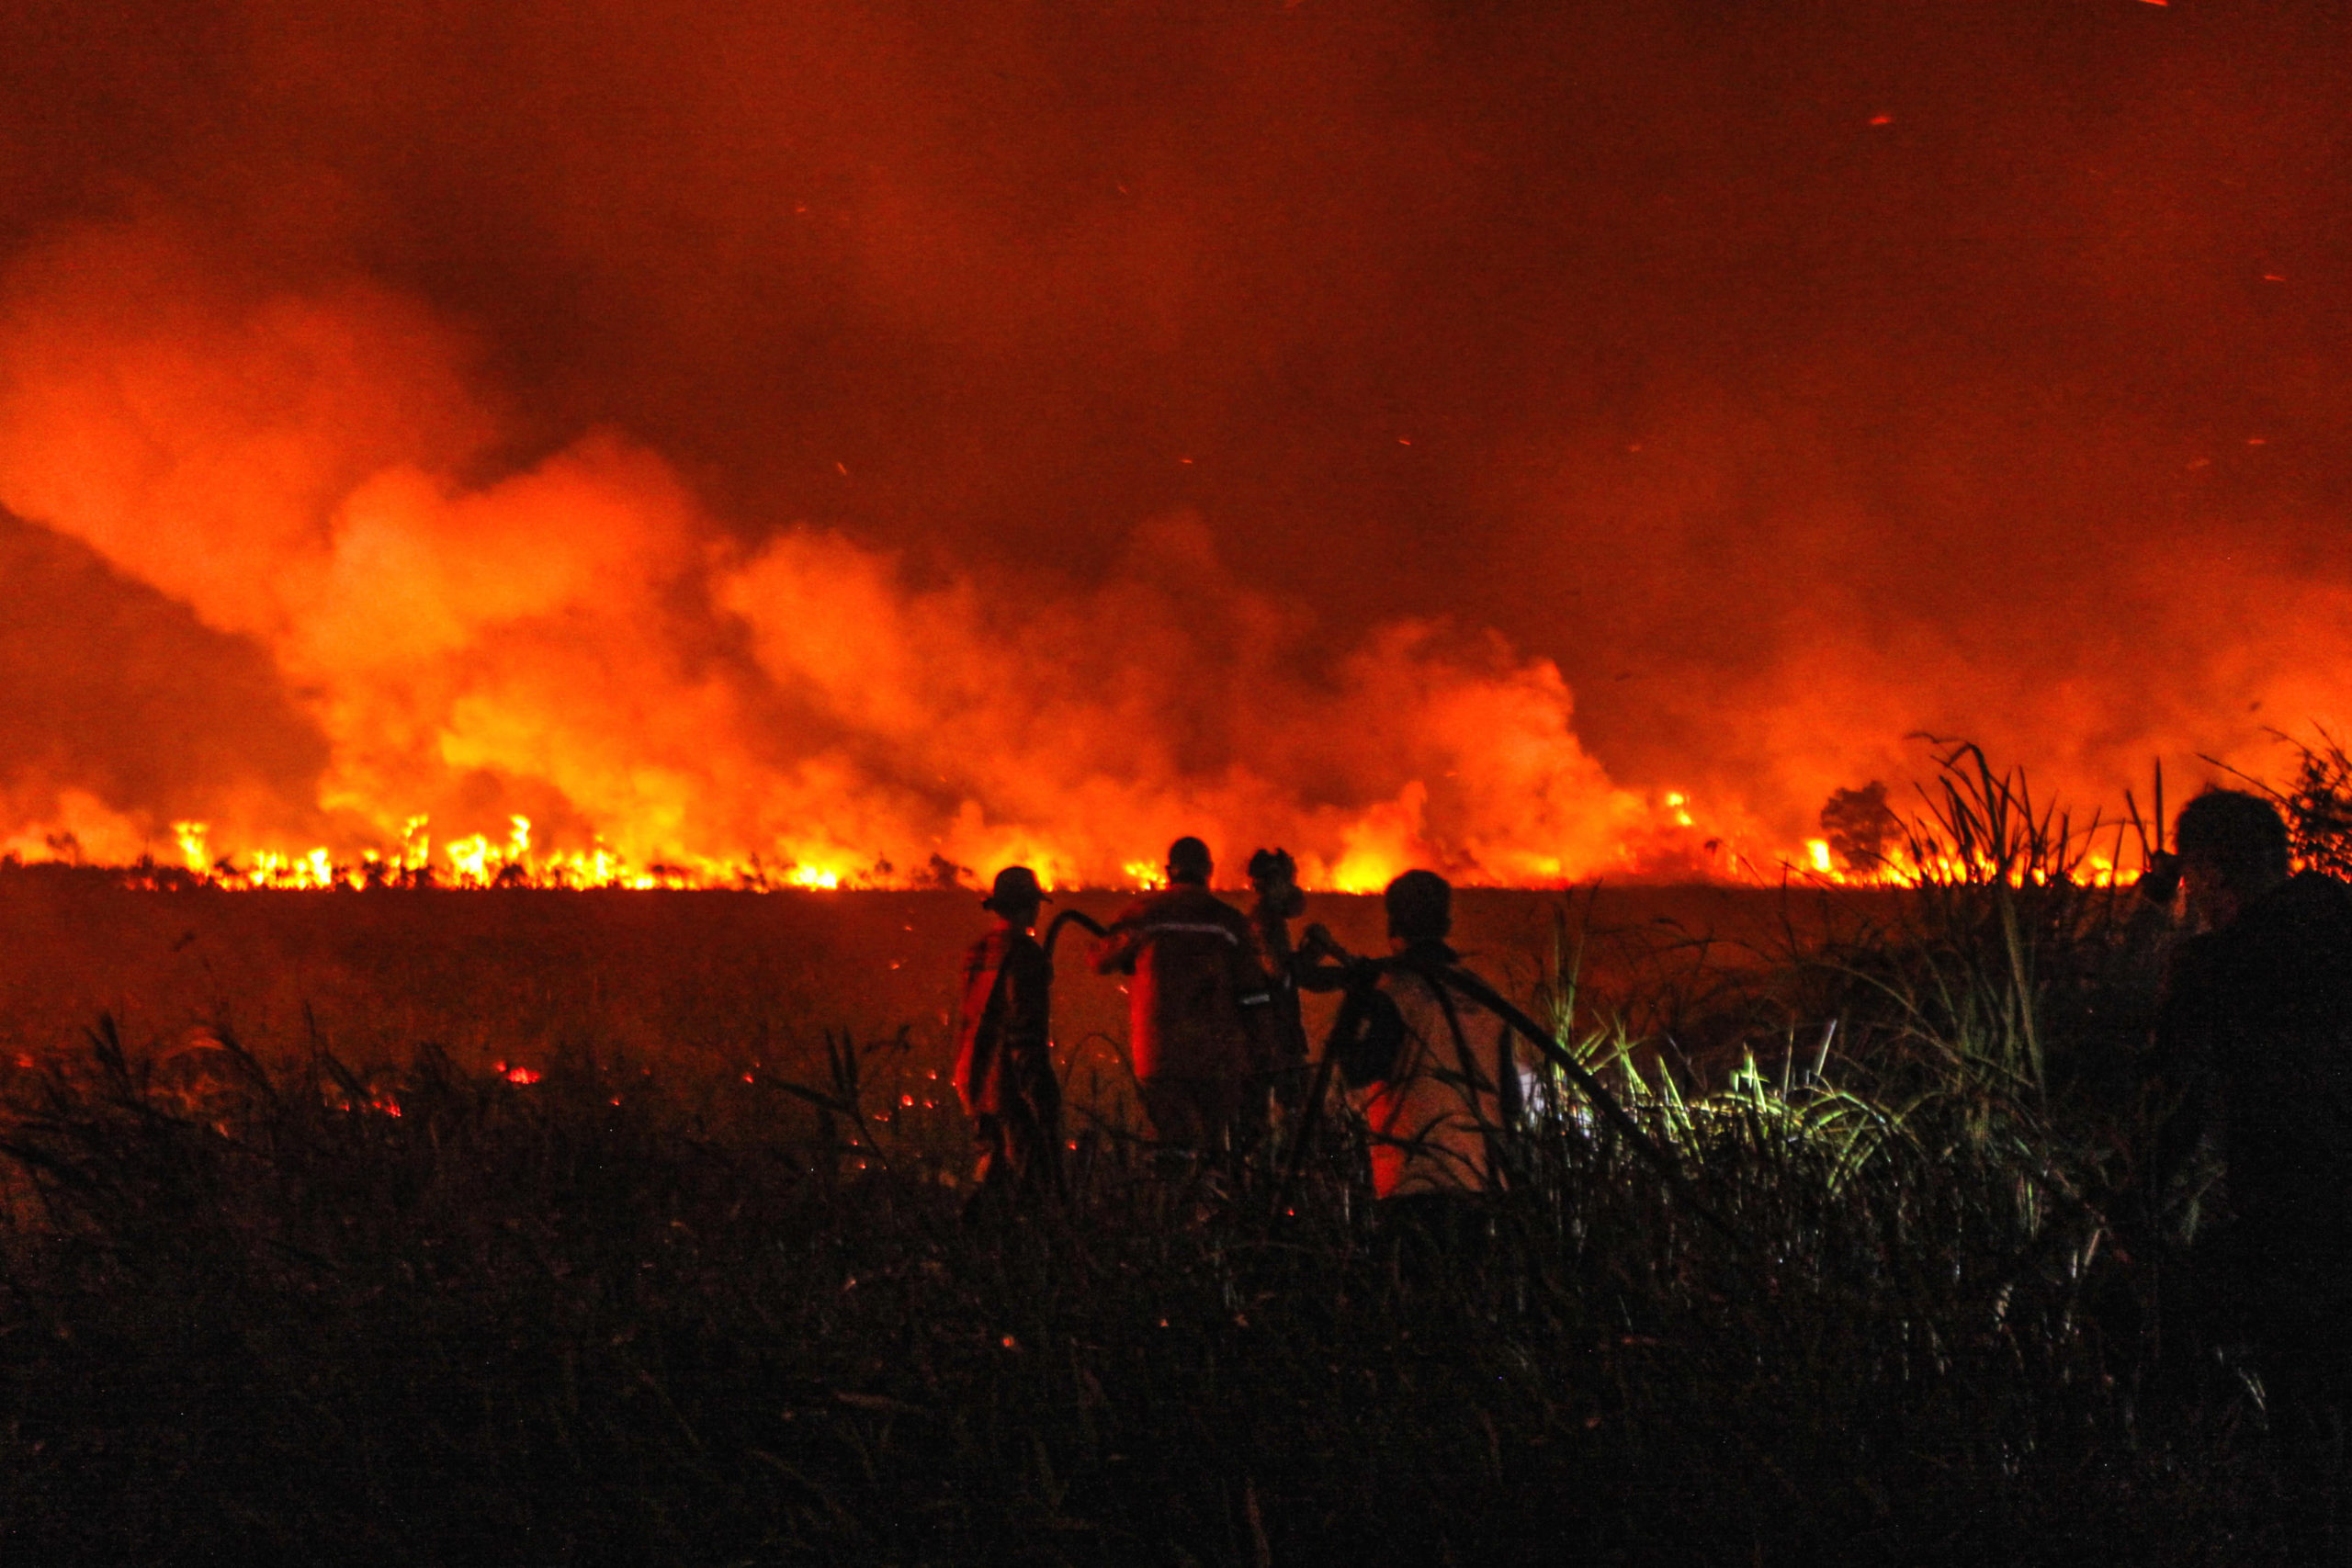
(1944, 1090)
(423, 1314)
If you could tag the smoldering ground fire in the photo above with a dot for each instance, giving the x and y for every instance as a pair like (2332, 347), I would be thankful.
(847, 438)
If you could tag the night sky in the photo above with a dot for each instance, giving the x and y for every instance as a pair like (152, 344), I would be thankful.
(1006, 425)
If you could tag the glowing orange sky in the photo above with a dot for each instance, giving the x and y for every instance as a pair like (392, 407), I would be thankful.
(1406, 430)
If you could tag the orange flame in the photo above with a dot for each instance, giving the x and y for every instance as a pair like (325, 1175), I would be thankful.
(577, 675)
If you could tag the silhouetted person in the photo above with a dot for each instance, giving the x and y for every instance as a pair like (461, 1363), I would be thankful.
(1198, 1005)
(2254, 1040)
(1274, 877)
(1434, 1073)
(1004, 1069)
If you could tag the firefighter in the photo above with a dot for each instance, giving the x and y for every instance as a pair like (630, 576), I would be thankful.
(2254, 1051)
(1434, 1073)
(1199, 1006)
(1004, 1069)
(1274, 877)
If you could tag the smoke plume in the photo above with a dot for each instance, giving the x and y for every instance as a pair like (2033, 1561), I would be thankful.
(883, 440)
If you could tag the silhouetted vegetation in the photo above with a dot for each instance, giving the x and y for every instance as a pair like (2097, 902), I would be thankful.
(620, 1314)
(2318, 805)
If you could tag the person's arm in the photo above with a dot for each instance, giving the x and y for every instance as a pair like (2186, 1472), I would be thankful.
(1368, 1036)
(1321, 965)
(2151, 922)
(1122, 945)
(1253, 993)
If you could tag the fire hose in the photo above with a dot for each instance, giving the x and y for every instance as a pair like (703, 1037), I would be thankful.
(1054, 933)
(1472, 989)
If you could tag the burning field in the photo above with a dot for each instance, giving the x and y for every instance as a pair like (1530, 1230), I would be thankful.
(722, 978)
(615, 1226)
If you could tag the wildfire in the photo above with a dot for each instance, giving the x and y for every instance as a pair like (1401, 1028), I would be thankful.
(341, 601)
(476, 861)
(1378, 845)
(1929, 862)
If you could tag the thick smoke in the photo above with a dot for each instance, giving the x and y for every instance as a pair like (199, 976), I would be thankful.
(848, 434)
(579, 641)
(116, 695)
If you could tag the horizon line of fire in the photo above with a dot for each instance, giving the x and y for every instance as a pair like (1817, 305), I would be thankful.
(479, 862)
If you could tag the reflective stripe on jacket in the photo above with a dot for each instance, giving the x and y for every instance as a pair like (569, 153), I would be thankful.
(1197, 1002)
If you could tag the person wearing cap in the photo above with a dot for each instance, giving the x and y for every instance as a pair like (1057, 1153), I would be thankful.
(1004, 1069)
(1199, 1029)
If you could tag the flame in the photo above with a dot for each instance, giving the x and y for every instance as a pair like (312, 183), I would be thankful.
(416, 843)
(1384, 844)
(574, 675)
(477, 861)
(1374, 850)
(582, 676)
